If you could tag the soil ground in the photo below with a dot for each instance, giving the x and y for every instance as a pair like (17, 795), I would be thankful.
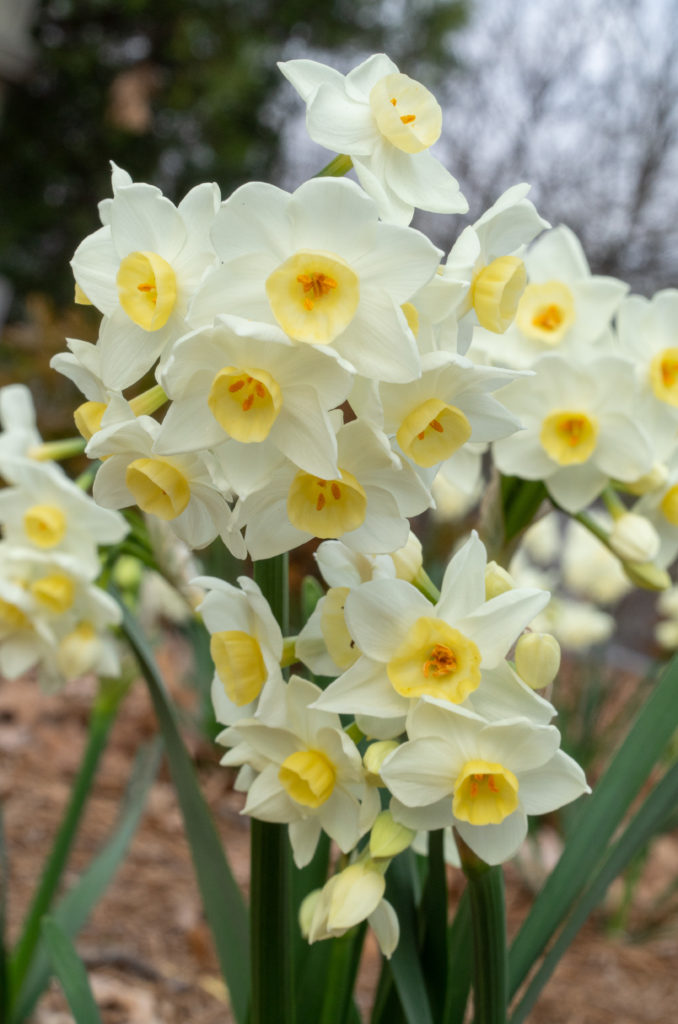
(146, 946)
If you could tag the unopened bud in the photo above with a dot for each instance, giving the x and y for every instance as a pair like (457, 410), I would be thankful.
(497, 581)
(388, 838)
(633, 538)
(647, 575)
(651, 481)
(409, 559)
(307, 910)
(375, 756)
(537, 659)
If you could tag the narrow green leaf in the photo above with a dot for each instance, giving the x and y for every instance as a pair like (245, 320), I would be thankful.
(71, 973)
(433, 917)
(520, 501)
(103, 713)
(311, 963)
(649, 819)
(74, 908)
(405, 963)
(222, 901)
(488, 925)
(340, 978)
(459, 963)
(600, 816)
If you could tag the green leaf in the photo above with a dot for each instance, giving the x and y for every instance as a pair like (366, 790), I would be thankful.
(340, 977)
(111, 693)
(73, 910)
(488, 926)
(459, 962)
(222, 901)
(600, 815)
(654, 812)
(71, 973)
(405, 963)
(433, 917)
(520, 501)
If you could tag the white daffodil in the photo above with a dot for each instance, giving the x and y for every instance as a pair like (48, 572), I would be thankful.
(580, 428)
(353, 895)
(411, 648)
(485, 268)
(46, 512)
(313, 777)
(245, 643)
(140, 270)
(647, 333)
(19, 432)
(52, 615)
(386, 122)
(320, 265)
(448, 406)
(482, 777)
(563, 306)
(183, 490)
(366, 504)
(660, 507)
(249, 382)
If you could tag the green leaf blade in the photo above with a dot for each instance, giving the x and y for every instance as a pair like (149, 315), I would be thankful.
(71, 973)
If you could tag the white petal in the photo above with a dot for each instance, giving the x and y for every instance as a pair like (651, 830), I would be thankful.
(378, 342)
(420, 772)
(495, 843)
(463, 586)
(304, 434)
(384, 923)
(398, 261)
(363, 689)
(307, 75)
(552, 785)
(143, 220)
(420, 179)
(304, 836)
(379, 614)
(339, 123)
(495, 625)
(575, 487)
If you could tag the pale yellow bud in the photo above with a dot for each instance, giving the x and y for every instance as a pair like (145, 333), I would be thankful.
(307, 910)
(388, 838)
(409, 559)
(375, 756)
(537, 659)
(497, 581)
(647, 575)
(633, 538)
(651, 481)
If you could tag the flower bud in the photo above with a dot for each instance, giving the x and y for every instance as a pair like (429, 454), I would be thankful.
(651, 481)
(307, 910)
(409, 559)
(633, 538)
(647, 575)
(537, 659)
(388, 838)
(497, 581)
(375, 756)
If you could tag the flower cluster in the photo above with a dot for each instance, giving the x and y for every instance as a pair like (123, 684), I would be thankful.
(321, 365)
(52, 614)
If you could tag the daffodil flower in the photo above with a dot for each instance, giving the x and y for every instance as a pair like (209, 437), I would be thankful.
(386, 122)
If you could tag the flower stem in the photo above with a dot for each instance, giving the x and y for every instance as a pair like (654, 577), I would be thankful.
(488, 918)
(55, 450)
(336, 168)
(270, 867)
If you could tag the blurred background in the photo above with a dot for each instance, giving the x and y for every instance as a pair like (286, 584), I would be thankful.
(577, 97)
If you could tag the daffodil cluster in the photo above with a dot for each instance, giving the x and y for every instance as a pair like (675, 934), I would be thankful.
(321, 365)
(52, 615)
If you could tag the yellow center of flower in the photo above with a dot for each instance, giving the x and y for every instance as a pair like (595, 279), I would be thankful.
(147, 289)
(432, 432)
(407, 114)
(546, 312)
(339, 642)
(158, 487)
(11, 617)
(239, 664)
(664, 376)
(485, 793)
(308, 777)
(56, 592)
(496, 292)
(313, 296)
(436, 660)
(88, 418)
(569, 437)
(245, 403)
(78, 650)
(326, 508)
(669, 505)
(45, 525)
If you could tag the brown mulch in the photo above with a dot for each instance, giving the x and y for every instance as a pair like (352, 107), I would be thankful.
(146, 946)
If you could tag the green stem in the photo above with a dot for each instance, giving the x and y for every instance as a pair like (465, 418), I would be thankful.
(270, 867)
(344, 961)
(102, 717)
(336, 168)
(64, 449)
(488, 917)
